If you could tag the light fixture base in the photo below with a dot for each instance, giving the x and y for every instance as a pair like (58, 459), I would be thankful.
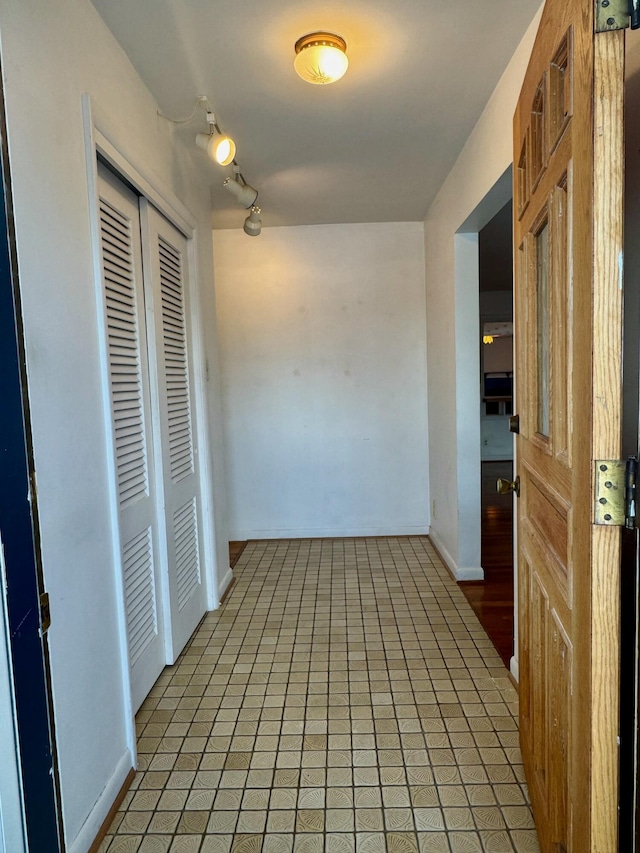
(321, 38)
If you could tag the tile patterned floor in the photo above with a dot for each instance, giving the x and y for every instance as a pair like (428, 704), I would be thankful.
(343, 700)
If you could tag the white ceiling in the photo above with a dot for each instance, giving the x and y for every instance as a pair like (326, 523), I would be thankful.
(373, 147)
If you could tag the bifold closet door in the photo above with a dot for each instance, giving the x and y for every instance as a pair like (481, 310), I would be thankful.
(166, 265)
(126, 355)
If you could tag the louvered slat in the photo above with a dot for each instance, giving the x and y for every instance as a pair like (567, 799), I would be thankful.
(139, 590)
(176, 363)
(123, 342)
(185, 528)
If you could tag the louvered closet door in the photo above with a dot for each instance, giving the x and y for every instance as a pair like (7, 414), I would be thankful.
(131, 424)
(167, 271)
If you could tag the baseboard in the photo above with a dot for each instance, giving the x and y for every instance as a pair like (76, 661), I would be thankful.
(470, 573)
(329, 532)
(96, 825)
(224, 585)
(227, 591)
(458, 573)
(442, 552)
(514, 669)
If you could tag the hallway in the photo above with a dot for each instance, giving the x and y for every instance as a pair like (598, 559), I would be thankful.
(344, 698)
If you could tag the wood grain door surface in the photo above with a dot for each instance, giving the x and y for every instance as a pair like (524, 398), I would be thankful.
(568, 176)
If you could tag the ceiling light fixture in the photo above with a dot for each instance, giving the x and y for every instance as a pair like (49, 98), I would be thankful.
(222, 149)
(321, 57)
(253, 223)
(218, 146)
(237, 186)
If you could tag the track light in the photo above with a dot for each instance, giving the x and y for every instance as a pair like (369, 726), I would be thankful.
(222, 149)
(219, 147)
(244, 194)
(253, 223)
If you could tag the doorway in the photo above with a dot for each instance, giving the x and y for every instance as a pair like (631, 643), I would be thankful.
(493, 598)
(630, 646)
(30, 812)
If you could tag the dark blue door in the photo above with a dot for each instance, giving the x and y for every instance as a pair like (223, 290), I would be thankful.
(19, 534)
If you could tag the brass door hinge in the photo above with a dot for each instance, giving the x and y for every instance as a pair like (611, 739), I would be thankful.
(615, 492)
(45, 612)
(617, 15)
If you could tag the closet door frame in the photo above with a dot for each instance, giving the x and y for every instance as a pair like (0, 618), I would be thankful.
(102, 139)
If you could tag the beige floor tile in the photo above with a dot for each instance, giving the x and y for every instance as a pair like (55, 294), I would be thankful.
(340, 843)
(433, 842)
(308, 843)
(216, 844)
(465, 842)
(369, 820)
(163, 823)
(134, 822)
(155, 844)
(281, 821)
(340, 798)
(125, 844)
(370, 842)
(277, 843)
(525, 841)
(496, 842)
(343, 700)
(247, 843)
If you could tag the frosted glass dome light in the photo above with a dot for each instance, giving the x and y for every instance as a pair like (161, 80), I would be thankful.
(321, 58)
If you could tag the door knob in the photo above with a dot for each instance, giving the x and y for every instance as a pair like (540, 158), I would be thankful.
(506, 486)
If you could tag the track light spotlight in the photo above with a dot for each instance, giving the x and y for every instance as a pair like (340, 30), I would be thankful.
(253, 223)
(219, 147)
(244, 194)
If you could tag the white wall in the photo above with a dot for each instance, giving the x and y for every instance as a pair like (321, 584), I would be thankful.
(474, 191)
(322, 337)
(52, 53)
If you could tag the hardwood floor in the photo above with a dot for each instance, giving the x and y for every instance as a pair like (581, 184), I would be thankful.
(492, 599)
(235, 550)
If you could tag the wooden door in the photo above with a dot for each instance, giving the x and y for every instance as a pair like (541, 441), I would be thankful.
(568, 173)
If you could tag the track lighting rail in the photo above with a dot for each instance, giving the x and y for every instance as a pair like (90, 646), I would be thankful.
(222, 149)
